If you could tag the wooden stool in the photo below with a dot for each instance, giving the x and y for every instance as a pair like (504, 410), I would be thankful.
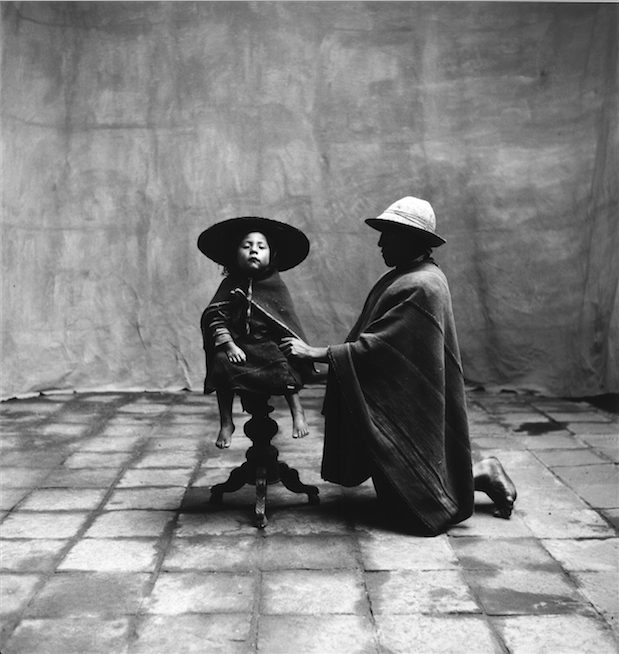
(262, 466)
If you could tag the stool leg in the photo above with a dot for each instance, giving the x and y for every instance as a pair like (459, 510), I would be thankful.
(261, 497)
(237, 479)
(290, 478)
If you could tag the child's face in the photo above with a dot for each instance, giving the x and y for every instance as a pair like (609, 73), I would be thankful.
(253, 253)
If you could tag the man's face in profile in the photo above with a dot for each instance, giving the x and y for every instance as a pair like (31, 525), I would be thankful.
(399, 246)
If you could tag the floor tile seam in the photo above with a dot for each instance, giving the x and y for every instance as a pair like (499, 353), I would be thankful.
(22, 500)
(166, 417)
(595, 539)
(495, 419)
(599, 510)
(39, 421)
(568, 450)
(607, 415)
(487, 618)
(456, 613)
(112, 486)
(607, 627)
(586, 445)
(567, 572)
(79, 535)
(163, 545)
(102, 420)
(258, 575)
(102, 417)
(578, 537)
(360, 565)
(287, 568)
(40, 485)
(574, 610)
(505, 406)
(500, 413)
(59, 556)
(7, 629)
(103, 616)
(574, 581)
(39, 482)
(611, 625)
(610, 418)
(200, 454)
(583, 603)
(13, 621)
(565, 483)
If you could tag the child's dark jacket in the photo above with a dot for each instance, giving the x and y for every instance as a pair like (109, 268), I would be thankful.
(258, 332)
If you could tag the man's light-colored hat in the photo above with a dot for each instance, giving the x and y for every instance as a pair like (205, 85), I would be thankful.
(413, 213)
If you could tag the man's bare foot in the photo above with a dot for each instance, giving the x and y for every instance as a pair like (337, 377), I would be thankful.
(299, 426)
(225, 436)
(491, 478)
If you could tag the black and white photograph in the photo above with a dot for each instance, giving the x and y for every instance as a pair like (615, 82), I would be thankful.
(310, 327)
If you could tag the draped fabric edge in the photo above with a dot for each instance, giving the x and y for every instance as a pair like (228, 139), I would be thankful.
(287, 322)
(433, 505)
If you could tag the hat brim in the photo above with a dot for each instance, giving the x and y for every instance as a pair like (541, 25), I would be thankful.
(220, 241)
(381, 224)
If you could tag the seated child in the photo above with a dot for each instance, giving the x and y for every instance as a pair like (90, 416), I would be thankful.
(249, 314)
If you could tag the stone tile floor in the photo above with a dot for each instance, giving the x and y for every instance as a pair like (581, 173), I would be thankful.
(109, 544)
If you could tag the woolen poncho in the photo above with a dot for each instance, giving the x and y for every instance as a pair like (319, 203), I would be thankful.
(271, 317)
(395, 399)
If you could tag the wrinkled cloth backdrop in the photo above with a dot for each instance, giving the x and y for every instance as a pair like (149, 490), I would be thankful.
(129, 127)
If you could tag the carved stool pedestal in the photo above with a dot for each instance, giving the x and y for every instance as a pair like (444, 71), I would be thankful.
(262, 466)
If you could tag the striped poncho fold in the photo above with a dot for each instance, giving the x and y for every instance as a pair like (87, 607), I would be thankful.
(395, 399)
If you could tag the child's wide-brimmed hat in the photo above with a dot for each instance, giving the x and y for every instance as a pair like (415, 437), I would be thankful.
(412, 213)
(220, 241)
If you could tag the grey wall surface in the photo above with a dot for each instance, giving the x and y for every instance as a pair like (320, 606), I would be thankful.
(129, 127)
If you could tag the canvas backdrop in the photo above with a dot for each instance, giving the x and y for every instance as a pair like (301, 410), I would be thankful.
(129, 127)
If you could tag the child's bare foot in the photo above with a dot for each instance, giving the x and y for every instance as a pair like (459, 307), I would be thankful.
(299, 426)
(225, 436)
(299, 423)
(491, 478)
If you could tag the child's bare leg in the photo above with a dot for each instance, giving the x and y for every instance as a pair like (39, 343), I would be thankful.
(299, 423)
(224, 401)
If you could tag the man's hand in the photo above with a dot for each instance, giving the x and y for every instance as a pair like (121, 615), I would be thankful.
(295, 347)
(234, 353)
